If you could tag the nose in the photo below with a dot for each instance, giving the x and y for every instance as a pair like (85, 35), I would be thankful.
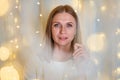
(63, 29)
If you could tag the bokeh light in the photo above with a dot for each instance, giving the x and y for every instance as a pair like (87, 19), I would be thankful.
(96, 42)
(4, 53)
(117, 31)
(9, 73)
(118, 71)
(15, 19)
(4, 7)
(103, 8)
(40, 15)
(118, 55)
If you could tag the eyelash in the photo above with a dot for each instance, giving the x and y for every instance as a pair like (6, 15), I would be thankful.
(69, 25)
(56, 25)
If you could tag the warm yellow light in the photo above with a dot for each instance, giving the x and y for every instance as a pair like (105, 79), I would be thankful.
(117, 31)
(92, 3)
(17, 1)
(96, 42)
(4, 6)
(11, 41)
(17, 26)
(9, 73)
(80, 6)
(15, 19)
(118, 70)
(118, 55)
(40, 15)
(16, 40)
(4, 53)
(37, 32)
(14, 56)
(103, 8)
(17, 46)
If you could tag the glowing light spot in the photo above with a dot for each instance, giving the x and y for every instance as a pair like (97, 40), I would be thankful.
(14, 56)
(16, 7)
(80, 6)
(37, 32)
(98, 20)
(4, 7)
(40, 44)
(118, 70)
(15, 19)
(38, 3)
(117, 31)
(76, 11)
(4, 53)
(96, 42)
(9, 73)
(40, 15)
(118, 55)
(103, 8)
(11, 41)
(16, 40)
(17, 1)
(17, 26)
(17, 46)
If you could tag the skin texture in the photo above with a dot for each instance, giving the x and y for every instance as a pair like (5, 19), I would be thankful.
(63, 32)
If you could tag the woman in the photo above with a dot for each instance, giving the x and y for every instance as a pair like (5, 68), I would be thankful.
(68, 60)
(62, 33)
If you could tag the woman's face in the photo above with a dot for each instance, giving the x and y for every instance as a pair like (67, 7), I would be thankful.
(63, 29)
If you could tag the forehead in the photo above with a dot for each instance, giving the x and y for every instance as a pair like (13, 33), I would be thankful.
(63, 16)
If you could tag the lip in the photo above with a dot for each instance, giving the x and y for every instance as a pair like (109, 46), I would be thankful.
(63, 38)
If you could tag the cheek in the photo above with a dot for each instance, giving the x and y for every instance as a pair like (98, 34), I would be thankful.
(54, 33)
(72, 34)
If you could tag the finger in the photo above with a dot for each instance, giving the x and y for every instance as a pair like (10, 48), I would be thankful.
(76, 46)
(78, 55)
(78, 50)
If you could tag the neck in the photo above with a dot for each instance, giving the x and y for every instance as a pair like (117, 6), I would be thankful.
(62, 53)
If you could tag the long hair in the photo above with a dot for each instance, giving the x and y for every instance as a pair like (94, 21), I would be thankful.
(48, 33)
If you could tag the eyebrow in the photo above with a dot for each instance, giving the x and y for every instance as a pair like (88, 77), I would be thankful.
(59, 22)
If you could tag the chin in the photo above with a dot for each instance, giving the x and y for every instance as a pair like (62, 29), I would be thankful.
(63, 44)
